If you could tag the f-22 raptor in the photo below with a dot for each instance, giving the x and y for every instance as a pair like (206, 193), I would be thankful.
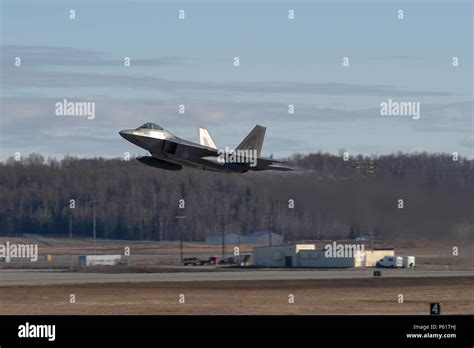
(172, 153)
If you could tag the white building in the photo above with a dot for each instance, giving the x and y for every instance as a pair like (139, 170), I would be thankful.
(96, 260)
(307, 255)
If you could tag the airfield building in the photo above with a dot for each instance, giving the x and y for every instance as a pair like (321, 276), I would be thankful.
(230, 238)
(254, 238)
(262, 238)
(307, 255)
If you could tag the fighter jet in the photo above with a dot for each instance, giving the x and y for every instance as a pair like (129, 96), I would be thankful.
(172, 153)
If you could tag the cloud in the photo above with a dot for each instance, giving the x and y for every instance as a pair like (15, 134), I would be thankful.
(68, 80)
(230, 108)
(54, 56)
(33, 124)
(446, 117)
(395, 57)
(39, 60)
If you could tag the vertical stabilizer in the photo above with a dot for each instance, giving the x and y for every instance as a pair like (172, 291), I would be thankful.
(205, 138)
(254, 140)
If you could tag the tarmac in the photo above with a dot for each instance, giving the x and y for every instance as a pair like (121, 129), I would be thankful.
(51, 277)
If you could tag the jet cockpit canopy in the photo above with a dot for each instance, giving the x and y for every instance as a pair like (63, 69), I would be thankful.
(150, 125)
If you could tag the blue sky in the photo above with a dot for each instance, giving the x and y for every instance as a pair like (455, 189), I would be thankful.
(282, 62)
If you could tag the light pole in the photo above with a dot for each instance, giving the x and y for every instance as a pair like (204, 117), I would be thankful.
(282, 212)
(178, 218)
(223, 238)
(69, 215)
(94, 203)
(269, 223)
(224, 223)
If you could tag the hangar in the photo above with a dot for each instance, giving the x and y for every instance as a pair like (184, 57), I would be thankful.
(262, 237)
(230, 238)
(307, 255)
(253, 238)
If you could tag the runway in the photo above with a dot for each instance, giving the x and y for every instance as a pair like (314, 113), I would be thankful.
(51, 277)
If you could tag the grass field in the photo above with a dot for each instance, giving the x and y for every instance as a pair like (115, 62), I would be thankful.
(336, 296)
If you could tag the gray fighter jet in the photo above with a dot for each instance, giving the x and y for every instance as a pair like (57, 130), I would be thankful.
(172, 153)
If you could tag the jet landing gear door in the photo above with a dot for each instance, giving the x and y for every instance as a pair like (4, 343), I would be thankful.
(169, 147)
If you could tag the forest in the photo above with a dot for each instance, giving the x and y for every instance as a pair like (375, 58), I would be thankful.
(393, 197)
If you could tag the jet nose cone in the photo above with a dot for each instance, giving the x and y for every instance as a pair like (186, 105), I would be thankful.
(125, 134)
(128, 135)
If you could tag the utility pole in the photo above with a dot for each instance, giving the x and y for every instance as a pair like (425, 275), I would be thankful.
(94, 222)
(70, 227)
(269, 223)
(180, 243)
(281, 205)
(224, 223)
(282, 212)
(69, 214)
(223, 237)
(178, 218)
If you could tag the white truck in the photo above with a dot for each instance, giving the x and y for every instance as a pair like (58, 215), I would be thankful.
(397, 262)
(408, 261)
(390, 262)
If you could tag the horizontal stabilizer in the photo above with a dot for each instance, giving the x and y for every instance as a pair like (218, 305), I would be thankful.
(271, 164)
(279, 167)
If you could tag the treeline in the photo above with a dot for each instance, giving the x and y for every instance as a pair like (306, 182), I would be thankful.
(326, 197)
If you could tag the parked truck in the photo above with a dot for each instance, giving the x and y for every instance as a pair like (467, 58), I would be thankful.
(390, 262)
(211, 260)
(397, 262)
(195, 261)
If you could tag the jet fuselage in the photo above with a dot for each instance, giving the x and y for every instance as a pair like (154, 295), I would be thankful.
(171, 153)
